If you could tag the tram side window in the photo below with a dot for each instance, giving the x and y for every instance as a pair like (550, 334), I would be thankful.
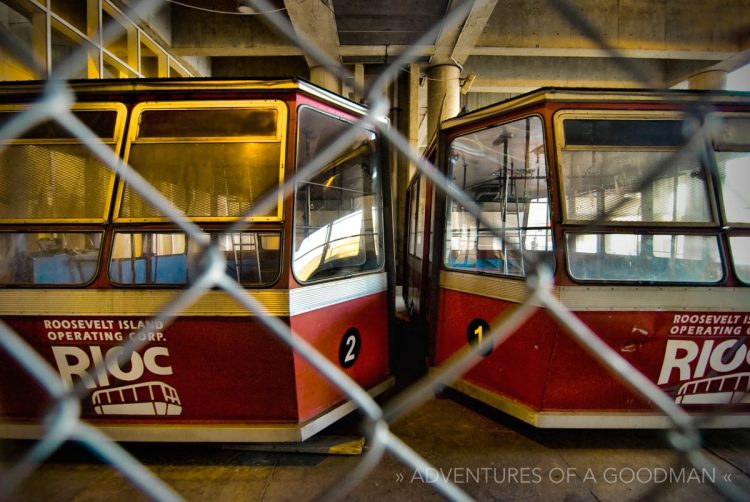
(740, 245)
(731, 145)
(338, 227)
(48, 258)
(48, 175)
(637, 257)
(169, 258)
(503, 169)
(626, 172)
(210, 160)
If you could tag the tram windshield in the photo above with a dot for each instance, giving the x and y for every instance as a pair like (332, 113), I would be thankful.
(338, 229)
(504, 170)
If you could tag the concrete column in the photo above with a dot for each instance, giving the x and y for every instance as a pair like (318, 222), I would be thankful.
(711, 79)
(319, 75)
(443, 95)
(359, 81)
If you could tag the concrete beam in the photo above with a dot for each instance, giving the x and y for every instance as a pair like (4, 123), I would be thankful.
(286, 49)
(446, 40)
(733, 62)
(255, 50)
(669, 39)
(573, 52)
(714, 76)
(709, 25)
(259, 67)
(316, 20)
(517, 74)
(476, 21)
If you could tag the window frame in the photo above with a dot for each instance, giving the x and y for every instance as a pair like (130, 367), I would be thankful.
(60, 230)
(610, 227)
(636, 115)
(736, 230)
(571, 232)
(720, 187)
(115, 143)
(379, 235)
(279, 137)
(218, 233)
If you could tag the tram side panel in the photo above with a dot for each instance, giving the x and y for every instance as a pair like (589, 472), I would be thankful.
(218, 369)
(699, 358)
(517, 371)
(353, 335)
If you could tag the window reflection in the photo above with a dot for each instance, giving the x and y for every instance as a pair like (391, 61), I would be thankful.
(170, 258)
(54, 258)
(211, 162)
(338, 212)
(644, 258)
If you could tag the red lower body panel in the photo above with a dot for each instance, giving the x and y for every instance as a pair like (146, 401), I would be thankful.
(700, 359)
(199, 371)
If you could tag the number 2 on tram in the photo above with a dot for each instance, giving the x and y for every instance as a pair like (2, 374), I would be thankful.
(646, 230)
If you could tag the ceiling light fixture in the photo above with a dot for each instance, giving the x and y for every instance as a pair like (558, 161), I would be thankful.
(244, 7)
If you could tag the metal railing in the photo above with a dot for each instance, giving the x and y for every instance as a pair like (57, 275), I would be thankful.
(62, 420)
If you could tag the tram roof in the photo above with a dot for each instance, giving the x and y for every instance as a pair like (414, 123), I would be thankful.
(562, 94)
(31, 89)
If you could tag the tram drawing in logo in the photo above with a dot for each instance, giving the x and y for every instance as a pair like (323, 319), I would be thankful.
(148, 398)
(725, 389)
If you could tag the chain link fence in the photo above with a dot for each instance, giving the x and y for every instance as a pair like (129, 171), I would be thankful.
(62, 421)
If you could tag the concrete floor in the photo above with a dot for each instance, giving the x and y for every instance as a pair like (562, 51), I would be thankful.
(489, 455)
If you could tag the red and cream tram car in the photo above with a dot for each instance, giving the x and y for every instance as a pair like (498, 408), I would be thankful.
(645, 226)
(86, 262)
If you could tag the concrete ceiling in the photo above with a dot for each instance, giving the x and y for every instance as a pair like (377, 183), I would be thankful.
(509, 45)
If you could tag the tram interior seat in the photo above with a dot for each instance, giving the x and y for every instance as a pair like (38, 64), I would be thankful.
(164, 269)
(640, 267)
(494, 261)
(65, 269)
(62, 267)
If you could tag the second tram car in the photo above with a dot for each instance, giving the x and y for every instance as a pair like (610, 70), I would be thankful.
(645, 226)
(86, 262)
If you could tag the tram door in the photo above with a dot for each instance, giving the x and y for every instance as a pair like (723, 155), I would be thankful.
(417, 256)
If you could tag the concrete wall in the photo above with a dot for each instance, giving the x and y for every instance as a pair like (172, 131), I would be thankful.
(293, 66)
